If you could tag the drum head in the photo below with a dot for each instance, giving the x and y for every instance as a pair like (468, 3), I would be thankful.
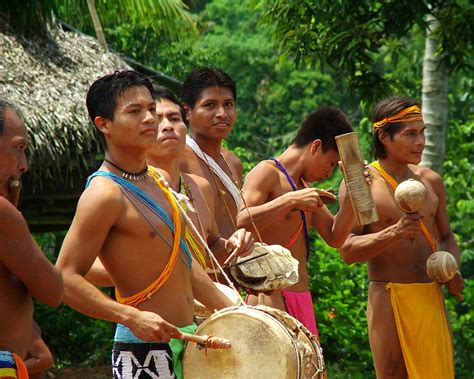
(261, 348)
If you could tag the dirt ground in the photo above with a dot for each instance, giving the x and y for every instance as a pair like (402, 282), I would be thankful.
(101, 372)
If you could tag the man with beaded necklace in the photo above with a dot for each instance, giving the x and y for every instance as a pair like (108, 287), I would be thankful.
(408, 330)
(129, 219)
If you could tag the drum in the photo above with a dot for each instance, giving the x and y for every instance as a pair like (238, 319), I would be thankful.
(201, 312)
(266, 343)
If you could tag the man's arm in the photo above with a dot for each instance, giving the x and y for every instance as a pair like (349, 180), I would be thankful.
(97, 212)
(447, 241)
(258, 186)
(219, 246)
(335, 229)
(206, 292)
(39, 357)
(362, 247)
(21, 255)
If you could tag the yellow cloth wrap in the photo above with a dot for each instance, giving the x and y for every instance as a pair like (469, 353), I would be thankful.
(412, 113)
(423, 330)
(393, 183)
(194, 246)
(156, 285)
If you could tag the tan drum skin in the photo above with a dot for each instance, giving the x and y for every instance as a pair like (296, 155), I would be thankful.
(266, 343)
(201, 312)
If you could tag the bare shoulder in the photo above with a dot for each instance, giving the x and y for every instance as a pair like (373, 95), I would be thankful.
(232, 159)
(102, 195)
(11, 220)
(265, 171)
(202, 183)
(428, 175)
(189, 161)
(203, 187)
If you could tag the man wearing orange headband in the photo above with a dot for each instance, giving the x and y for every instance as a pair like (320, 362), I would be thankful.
(408, 329)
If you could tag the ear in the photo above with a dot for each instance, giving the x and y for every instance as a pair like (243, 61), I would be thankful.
(382, 136)
(187, 109)
(315, 146)
(102, 124)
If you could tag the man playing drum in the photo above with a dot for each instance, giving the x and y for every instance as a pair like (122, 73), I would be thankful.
(166, 157)
(408, 329)
(209, 96)
(283, 206)
(129, 219)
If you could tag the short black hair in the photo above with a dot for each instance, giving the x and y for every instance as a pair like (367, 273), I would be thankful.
(4, 105)
(162, 92)
(202, 78)
(103, 94)
(386, 108)
(325, 123)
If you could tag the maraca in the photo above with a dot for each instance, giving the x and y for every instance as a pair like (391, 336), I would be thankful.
(441, 267)
(410, 196)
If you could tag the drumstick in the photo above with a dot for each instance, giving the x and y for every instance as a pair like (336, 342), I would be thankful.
(209, 342)
(245, 260)
(231, 255)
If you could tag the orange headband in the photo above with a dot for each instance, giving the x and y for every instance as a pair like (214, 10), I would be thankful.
(400, 116)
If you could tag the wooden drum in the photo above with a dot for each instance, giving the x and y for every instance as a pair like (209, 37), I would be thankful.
(266, 343)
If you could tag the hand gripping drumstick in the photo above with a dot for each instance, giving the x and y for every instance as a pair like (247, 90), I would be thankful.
(410, 196)
(209, 342)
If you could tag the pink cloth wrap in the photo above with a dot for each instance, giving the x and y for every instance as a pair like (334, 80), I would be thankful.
(300, 306)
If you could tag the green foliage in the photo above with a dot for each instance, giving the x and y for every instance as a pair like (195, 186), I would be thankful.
(74, 339)
(168, 17)
(341, 291)
(459, 182)
(348, 35)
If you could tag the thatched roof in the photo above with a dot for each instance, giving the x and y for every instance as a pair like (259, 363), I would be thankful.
(48, 80)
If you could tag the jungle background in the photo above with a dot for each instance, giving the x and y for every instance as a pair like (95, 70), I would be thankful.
(287, 59)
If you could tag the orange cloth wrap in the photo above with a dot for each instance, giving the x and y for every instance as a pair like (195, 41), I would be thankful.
(412, 113)
(294, 238)
(140, 297)
(21, 370)
(393, 183)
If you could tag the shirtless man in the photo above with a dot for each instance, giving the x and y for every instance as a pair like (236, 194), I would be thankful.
(128, 219)
(283, 207)
(408, 330)
(166, 157)
(24, 270)
(209, 96)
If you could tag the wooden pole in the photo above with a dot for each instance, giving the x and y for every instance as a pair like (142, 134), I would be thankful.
(362, 202)
(97, 25)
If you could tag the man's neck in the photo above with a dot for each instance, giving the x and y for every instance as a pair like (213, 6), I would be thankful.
(170, 169)
(130, 161)
(398, 170)
(292, 160)
(209, 146)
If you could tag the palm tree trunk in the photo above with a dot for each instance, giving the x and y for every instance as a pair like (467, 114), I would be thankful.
(435, 101)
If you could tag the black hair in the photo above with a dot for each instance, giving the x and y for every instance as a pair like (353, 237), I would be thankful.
(104, 92)
(325, 123)
(202, 78)
(162, 92)
(386, 108)
(4, 105)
